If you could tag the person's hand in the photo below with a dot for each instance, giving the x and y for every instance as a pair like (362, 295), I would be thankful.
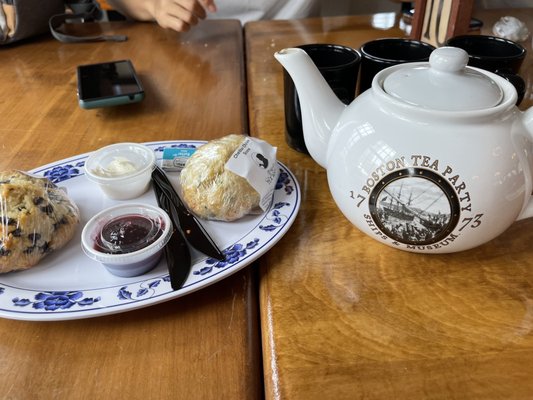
(181, 15)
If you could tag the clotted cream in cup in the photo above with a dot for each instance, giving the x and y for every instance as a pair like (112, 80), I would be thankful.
(122, 170)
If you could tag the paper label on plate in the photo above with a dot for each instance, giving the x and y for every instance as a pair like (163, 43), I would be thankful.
(255, 161)
(174, 158)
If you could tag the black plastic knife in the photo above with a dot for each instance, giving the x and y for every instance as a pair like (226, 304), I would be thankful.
(176, 250)
(191, 228)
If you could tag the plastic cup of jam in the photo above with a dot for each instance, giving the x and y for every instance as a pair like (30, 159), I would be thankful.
(123, 171)
(127, 239)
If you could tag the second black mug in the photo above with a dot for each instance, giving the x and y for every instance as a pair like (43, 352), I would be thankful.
(379, 54)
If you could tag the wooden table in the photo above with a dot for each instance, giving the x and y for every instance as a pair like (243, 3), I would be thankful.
(202, 346)
(345, 317)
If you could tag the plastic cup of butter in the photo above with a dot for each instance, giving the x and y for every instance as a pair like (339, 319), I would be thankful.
(122, 171)
(127, 239)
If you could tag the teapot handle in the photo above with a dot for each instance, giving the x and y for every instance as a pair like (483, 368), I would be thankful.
(527, 119)
(527, 212)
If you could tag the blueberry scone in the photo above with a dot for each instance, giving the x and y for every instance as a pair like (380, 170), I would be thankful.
(211, 191)
(36, 218)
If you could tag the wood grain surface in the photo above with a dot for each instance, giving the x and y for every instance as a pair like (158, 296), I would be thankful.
(345, 317)
(202, 346)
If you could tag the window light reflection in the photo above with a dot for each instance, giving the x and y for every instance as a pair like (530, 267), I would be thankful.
(375, 154)
(383, 20)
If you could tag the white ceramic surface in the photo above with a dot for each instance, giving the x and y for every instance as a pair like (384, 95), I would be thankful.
(428, 177)
(444, 84)
(68, 285)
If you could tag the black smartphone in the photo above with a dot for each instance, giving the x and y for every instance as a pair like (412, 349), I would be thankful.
(108, 84)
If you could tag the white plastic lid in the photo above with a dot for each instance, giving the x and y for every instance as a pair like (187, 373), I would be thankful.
(445, 84)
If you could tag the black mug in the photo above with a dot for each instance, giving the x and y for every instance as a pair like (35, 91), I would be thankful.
(379, 54)
(501, 56)
(339, 66)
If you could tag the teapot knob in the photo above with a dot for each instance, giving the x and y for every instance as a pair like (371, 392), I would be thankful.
(448, 59)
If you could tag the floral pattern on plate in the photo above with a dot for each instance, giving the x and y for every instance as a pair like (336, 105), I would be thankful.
(30, 303)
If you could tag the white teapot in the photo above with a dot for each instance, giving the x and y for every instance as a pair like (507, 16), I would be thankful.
(434, 158)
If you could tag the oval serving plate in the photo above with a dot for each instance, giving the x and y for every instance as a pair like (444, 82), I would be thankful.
(68, 285)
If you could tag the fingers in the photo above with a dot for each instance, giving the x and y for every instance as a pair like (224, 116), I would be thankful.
(209, 5)
(181, 15)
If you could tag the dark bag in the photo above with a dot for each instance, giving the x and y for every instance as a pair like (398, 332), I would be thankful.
(21, 19)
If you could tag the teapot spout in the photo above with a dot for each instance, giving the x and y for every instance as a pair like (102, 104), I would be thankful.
(320, 107)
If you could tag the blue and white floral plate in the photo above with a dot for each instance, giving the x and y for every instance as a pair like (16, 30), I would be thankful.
(68, 285)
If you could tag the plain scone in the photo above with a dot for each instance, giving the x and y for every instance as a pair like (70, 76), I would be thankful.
(36, 218)
(211, 191)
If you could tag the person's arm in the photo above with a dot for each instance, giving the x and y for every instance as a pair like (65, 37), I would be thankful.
(179, 15)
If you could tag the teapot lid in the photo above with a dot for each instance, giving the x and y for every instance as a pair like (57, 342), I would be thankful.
(445, 84)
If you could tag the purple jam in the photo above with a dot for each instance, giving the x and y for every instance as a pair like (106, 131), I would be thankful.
(128, 233)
